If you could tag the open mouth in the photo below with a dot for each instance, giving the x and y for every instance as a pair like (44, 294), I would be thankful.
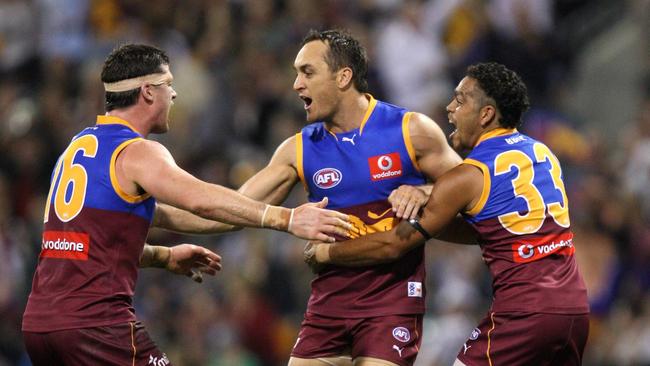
(307, 101)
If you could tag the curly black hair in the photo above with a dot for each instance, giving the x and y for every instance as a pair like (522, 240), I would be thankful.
(344, 51)
(505, 87)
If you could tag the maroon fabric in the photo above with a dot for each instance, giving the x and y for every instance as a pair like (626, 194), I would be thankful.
(394, 338)
(380, 290)
(548, 281)
(68, 293)
(524, 339)
(120, 345)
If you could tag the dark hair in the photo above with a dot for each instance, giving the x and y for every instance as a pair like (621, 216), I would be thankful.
(130, 61)
(344, 51)
(505, 87)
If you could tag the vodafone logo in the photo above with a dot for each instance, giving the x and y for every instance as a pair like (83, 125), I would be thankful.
(65, 245)
(538, 248)
(526, 251)
(327, 178)
(385, 162)
(385, 166)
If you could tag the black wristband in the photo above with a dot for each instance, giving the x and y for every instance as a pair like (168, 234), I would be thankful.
(416, 225)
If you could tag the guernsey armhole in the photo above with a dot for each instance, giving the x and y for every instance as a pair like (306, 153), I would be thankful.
(299, 160)
(406, 120)
(485, 193)
(114, 182)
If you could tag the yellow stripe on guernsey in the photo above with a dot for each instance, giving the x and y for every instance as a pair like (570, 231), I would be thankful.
(299, 167)
(114, 182)
(371, 107)
(494, 133)
(407, 139)
(487, 183)
(112, 120)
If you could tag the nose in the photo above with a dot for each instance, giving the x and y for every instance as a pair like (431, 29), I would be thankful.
(173, 94)
(298, 83)
(450, 107)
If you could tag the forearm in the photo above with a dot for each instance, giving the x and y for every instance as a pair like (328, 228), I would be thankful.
(177, 220)
(154, 256)
(458, 231)
(236, 209)
(371, 249)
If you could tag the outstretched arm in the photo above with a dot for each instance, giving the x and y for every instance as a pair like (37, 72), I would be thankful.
(454, 192)
(186, 259)
(174, 219)
(147, 166)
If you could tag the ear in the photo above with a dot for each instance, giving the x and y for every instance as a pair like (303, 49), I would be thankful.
(344, 77)
(487, 114)
(146, 92)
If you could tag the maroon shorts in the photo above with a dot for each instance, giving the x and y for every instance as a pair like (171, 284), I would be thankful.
(119, 344)
(394, 338)
(527, 339)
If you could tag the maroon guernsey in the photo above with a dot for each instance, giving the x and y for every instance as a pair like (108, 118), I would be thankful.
(523, 223)
(93, 236)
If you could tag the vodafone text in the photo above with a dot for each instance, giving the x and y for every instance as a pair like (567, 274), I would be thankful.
(535, 249)
(65, 245)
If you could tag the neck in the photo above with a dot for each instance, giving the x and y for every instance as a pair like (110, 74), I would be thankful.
(352, 109)
(135, 118)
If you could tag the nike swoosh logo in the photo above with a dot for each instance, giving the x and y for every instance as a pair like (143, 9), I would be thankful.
(374, 216)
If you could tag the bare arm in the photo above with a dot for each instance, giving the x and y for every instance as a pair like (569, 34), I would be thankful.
(147, 166)
(433, 156)
(174, 219)
(274, 183)
(453, 193)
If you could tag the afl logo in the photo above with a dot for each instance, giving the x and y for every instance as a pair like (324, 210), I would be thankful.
(526, 251)
(327, 178)
(401, 334)
(385, 162)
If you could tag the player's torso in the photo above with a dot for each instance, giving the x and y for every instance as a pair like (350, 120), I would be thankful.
(93, 236)
(524, 227)
(357, 171)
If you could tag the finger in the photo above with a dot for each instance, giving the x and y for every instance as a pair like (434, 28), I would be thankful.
(195, 276)
(411, 210)
(212, 255)
(400, 209)
(331, 229)
(325, 238)
(208, 270)
(322, 203)
(336, 221)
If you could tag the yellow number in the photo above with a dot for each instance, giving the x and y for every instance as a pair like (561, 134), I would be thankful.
(524, 188)
(71, 175)
(559, 213)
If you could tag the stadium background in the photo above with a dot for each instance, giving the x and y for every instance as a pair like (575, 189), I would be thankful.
(586, 64)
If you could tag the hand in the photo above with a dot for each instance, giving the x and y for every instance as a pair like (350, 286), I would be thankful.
(192, 261)
(312, 222)
(309, 255)
(407, 201)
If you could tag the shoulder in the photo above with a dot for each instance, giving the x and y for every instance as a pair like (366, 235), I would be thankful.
(286, 152)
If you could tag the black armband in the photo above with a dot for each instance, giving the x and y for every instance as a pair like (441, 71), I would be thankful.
(416, 225)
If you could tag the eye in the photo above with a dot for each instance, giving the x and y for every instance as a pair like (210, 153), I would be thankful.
(458, 101)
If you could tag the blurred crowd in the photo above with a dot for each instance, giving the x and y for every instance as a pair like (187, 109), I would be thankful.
(232, 61)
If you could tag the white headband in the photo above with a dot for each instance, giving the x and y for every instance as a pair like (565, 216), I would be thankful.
(134, 83)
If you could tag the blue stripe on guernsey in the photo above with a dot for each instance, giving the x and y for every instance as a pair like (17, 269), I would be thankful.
(353, 168)
(113, 135)
(506, 155)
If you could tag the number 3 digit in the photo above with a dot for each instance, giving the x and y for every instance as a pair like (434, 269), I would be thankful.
(524, 187)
